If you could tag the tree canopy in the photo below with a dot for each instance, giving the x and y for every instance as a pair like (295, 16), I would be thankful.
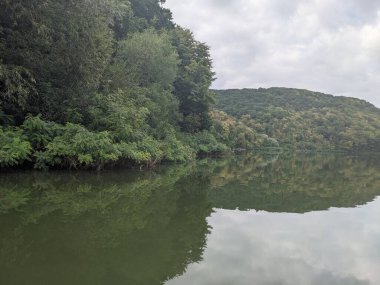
(90, 83)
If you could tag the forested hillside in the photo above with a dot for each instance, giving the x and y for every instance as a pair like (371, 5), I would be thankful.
(305, 120)
(101, 82)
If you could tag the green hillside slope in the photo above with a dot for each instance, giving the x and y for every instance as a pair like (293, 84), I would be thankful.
(305, 120)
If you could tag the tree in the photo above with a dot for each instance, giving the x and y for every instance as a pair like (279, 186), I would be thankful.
(145, 59)
(145, 66)
(64, 45)
(193, 81)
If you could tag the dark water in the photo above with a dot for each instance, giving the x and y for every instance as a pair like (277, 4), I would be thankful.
(243, 220)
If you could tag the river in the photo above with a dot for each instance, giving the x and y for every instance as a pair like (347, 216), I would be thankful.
(247, 219)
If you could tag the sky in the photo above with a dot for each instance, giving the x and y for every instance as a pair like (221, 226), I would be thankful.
(331, 46)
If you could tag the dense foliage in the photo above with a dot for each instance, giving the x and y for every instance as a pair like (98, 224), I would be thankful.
(92, 83)
(305, 120)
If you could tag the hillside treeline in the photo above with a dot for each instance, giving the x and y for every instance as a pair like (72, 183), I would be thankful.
(305, 120)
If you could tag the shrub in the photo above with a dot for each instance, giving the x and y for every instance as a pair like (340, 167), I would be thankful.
(14, 148)
(176, 150)
(76, 147)
(205, 143)
(39, 132)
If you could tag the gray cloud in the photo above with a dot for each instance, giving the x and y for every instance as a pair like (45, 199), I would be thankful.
(331, 46)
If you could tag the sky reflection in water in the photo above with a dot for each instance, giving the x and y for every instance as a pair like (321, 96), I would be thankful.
(338, 246)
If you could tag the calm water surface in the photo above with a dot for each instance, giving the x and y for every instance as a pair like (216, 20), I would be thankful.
(243, 220)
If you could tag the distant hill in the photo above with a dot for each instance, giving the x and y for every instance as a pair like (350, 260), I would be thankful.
(305, 120)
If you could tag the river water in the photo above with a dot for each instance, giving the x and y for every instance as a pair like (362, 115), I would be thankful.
(250, 219)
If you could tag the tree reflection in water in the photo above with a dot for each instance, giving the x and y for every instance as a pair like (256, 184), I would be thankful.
(133, 227)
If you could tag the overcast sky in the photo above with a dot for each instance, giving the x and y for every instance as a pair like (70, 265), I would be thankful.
(332, 46)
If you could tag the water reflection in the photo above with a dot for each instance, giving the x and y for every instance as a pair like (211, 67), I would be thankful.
(178, 224)
(295, 184)
(339, 246)
(107, 229)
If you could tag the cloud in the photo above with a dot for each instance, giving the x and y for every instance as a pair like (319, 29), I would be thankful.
(331, 46)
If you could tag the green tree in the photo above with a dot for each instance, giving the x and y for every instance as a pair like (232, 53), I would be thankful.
(64, 46)
(193, 82)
